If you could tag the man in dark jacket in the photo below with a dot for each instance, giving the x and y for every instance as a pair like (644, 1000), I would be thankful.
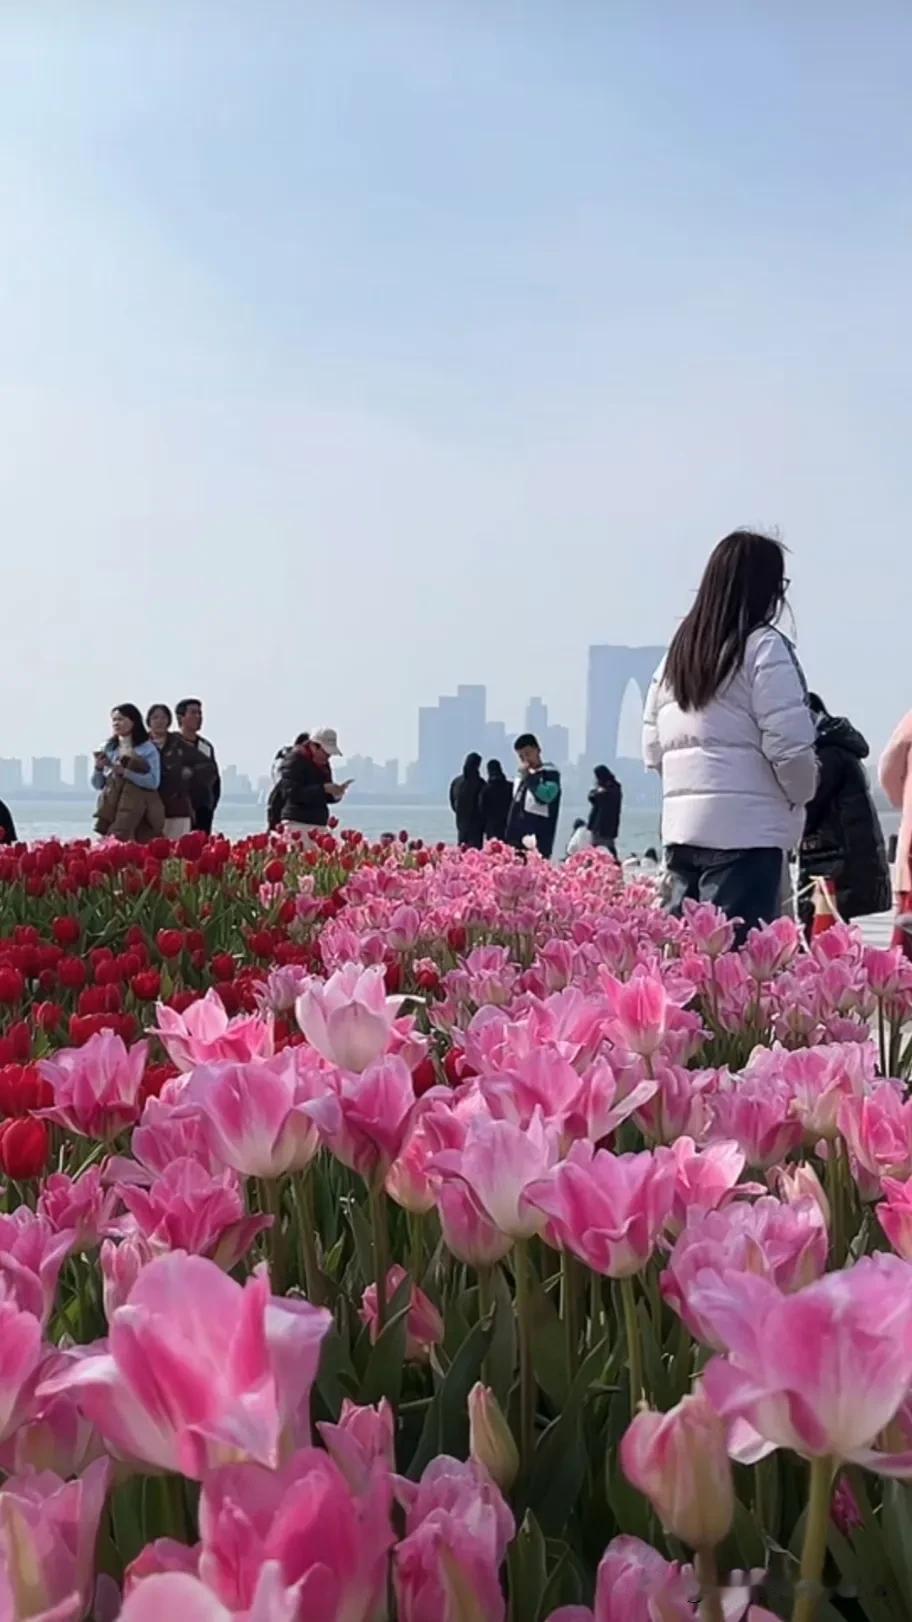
(7, 825)
(536, 799)
(306, 784)
(205, 784)
(843, 839)
(465, 803)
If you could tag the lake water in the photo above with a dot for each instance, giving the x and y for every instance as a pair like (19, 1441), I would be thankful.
(72, 819)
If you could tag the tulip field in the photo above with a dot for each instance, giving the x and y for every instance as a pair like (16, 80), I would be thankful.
(393, 1234)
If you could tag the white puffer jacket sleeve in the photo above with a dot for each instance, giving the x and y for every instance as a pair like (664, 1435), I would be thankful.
(652, 749)
(778, 697)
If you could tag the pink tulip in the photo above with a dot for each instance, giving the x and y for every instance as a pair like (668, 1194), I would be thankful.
(785, 1243)
(635, 1584)
(768, 950)
(605, 1101)
(756, 1114)
(679, 1460)
(818, 1080)
(539, 1080)
(364, 1437)
(166, 1132)
(179, 1594)
(708, 928)
(894, 1214)
(609, 1210)
(198, 1369)
(410, 1181)
(96, 1087)
(331, 1543)
(187, 1209)
(796, 1183)
(21, 1362)
(703, 1178)
(164, 1555)
(204, 1034)
(281, 989)
(498, 1162)
(364, 1117)
(54, 1436)
(639, 1008)
(48, 1531)
(79, 1206)
(457, 1532)
(878, 1131)
(258, 1116)
(121, 1266)
(31, 1256)
(349, 1017)
(468, 1232)
(680, 1105)
(821, 1372)
(424, 1325)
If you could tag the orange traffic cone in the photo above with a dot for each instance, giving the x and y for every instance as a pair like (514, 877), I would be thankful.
(825, 913)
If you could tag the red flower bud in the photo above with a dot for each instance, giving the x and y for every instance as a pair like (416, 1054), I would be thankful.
(24, 1148)
(223, 966)
(23, 1089)
(12, 983)
(424, 1076)
(66, 930)
(170, 942)
(146, 985)
(72, 973)
(457, 938)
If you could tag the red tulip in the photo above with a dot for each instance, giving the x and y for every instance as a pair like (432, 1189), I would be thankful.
(12, 983)
(48, 1017)
(146, 985)
(424, 1076)
(72, 973)
(457, 938)
(24, 1148)
(223, 966)
(23, 1089)
(274, 871)
(170, 942)
(260, 942)
(66, 930)
(19, 1036)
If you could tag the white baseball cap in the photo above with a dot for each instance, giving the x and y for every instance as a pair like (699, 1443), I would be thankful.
(328, 739)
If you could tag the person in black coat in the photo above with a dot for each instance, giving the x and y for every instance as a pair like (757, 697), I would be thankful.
(465, 803)
(843, 839)
(306, 793)
(7, 825)
(495, 801)
(605, 809)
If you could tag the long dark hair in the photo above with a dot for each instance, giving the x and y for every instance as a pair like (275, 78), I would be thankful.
(743, 586)
(140, 732)
(604, 777)
(472, 767)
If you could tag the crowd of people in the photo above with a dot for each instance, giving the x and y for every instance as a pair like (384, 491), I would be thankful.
(755, 770)
(153, 778)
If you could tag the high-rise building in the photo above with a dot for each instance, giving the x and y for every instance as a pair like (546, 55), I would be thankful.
(554, 740)
(46, 774)
(447, 732)
(10, 775)
(611, 670)
(81, 773)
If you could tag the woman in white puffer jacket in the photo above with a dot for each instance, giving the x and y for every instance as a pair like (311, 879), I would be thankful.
(728, 726)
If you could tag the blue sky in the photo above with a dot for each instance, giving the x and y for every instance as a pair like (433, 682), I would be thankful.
(350, 351)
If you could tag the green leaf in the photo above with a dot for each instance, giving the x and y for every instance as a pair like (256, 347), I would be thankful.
(446, 1425)
(336, 1378)
(528, 1571)
(559, 1462)
(549, 1359)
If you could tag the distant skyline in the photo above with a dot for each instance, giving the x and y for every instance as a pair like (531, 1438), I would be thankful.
(355, 350)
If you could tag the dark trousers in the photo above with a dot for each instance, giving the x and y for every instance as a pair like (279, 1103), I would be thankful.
(203, 816)
(745, 884)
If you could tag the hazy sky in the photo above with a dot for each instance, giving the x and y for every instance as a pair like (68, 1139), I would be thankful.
(350, 351)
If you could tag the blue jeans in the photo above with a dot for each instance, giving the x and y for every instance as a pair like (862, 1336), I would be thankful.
(745, 884)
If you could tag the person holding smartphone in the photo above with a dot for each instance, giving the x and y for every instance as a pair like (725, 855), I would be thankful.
(307, 791)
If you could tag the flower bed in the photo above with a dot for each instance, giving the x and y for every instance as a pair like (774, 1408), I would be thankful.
(401, 1233)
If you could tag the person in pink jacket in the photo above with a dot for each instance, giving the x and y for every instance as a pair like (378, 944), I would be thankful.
(896, 782)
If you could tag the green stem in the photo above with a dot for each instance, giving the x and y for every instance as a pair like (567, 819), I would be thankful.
(634, 1351)
(710, 1594)
(595, 1309)
(380, 1236)
(810, 1591)
(305, 1209)
(272, 1201)
(486, 1304)
(570, 1309)
(521, 1264)
(834, 1194)
(416, 1245)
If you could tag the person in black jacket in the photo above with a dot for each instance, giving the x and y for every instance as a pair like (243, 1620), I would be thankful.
(605, 809)
(7, 825)
(465, 803)
(495, 802)
(307, 791)
(843, 839)
(535, 806)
